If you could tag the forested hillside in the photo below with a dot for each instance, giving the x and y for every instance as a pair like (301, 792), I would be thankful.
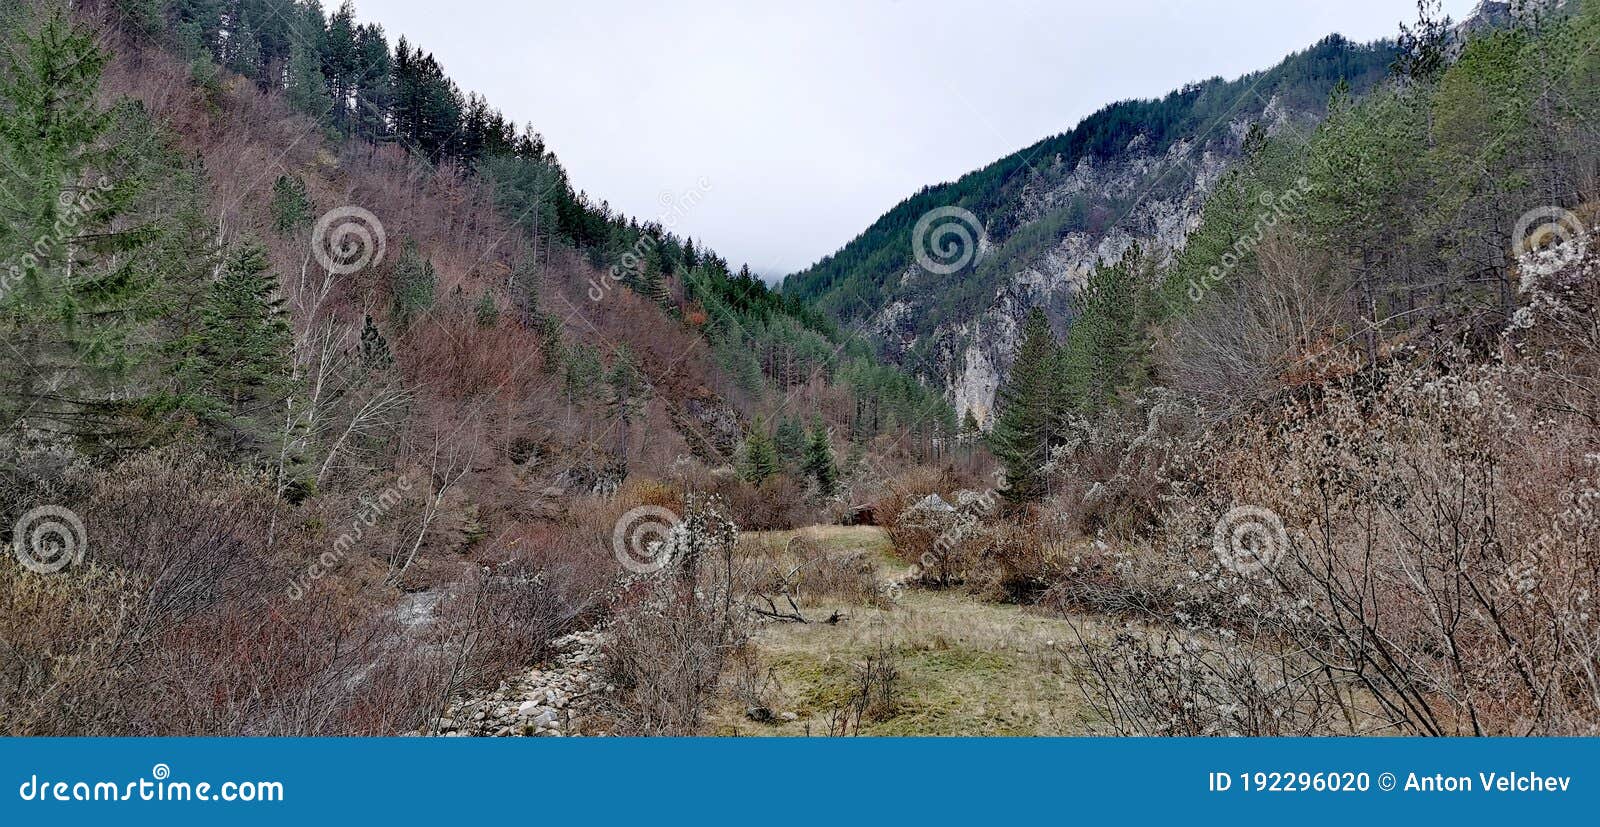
(1040, 220)
(310, 348)
(332, 406)
(1333, 464)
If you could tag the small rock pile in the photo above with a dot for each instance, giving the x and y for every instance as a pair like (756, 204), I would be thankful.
(553, 699)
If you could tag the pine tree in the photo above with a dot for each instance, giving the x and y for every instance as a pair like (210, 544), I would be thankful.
(340, 56)
(628, 389)
(244, 50)
(970, 429)
(375, 353)
(308, 91)
(582, 372)
(819, 461)
(790, 440)
(245, 345)
(653, 285)
(374, 93)
(1029, 411)
(760, 457)
(83, 270)
(1106, 353)
(291, 209)
(414, 283)
(488, 312)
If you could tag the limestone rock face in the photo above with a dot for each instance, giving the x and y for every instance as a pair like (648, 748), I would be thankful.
(1160, 196)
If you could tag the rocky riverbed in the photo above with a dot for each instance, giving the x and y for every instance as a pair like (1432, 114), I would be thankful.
(556, 698)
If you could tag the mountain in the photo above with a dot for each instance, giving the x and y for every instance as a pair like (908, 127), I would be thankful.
(320, 348)
(1135, 172)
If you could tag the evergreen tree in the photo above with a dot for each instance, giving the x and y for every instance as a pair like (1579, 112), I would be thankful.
(628, 389)
(970, 429)
(819, 461)
(83, 266)
(488, 312)
(1029, 407)
(414, 283)
(374, 92)
(308, 91)
(1425, 47)
(291, 209)
(340, 61)
(652, 284)
(246, 343)
(760, 460)
(1105, 355)
(790, 440)
(243, 50)
(582, 372)
(375, 353)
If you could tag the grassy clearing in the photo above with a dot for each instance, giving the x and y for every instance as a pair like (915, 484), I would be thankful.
(966, 667)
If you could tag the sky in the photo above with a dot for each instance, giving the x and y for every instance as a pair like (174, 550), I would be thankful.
(776, 132)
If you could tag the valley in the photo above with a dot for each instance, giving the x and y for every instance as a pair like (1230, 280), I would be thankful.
(332, 405)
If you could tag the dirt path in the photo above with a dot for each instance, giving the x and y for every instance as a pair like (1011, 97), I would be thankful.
(964, 667)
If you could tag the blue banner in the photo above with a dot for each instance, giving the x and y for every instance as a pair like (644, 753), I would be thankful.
(833, 781)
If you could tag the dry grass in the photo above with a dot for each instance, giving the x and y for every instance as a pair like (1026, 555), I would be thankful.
(964, 667)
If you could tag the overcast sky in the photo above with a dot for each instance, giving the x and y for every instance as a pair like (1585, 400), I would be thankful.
(805, 121)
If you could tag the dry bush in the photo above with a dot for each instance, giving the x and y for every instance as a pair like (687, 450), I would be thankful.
(1018, 561)
(1161, 682)
(1267, 328)
(874, 693)
(913, 533)
(1110, 477)
(905, 489)
(178, 622)
(806, 573)
(194, 532)
(846, 575)
(779, 503)
(63, 642)
(1436, 567)
(673, 632)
